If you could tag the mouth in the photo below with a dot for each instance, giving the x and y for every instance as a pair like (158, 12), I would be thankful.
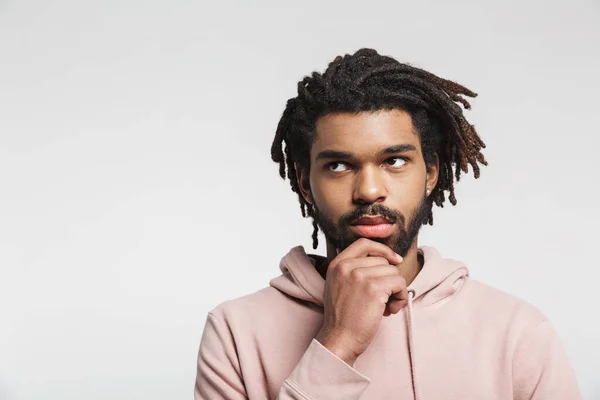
(372, 227)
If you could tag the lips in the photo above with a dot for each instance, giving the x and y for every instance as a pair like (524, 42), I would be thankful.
(372, 227)
(371, 221)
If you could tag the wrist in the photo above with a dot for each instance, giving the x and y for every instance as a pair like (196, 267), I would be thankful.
(335, 345)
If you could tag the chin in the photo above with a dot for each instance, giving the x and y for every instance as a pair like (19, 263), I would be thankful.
(389, 241)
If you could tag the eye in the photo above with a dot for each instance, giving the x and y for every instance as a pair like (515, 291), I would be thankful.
(337, 166)
(395, 162)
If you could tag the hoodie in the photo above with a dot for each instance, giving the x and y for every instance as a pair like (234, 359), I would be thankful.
(456, 339)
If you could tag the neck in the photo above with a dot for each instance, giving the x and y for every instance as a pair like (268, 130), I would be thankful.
(409, 268)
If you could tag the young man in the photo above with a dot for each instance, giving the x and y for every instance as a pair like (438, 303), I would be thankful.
(369, 146)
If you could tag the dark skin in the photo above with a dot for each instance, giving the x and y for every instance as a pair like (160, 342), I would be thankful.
(365, 160)
(397, 180)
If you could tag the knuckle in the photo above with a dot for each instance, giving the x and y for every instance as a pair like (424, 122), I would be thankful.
(373, 288)
(366, 242)
(357, 275)
(343, 268)
(363, 241)
(381, 261)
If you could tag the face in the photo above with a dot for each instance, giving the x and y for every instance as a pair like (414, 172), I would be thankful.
(368, 179)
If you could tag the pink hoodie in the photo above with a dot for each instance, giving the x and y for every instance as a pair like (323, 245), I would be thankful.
(456, 339)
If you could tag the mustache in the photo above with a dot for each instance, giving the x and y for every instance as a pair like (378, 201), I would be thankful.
(372, 210)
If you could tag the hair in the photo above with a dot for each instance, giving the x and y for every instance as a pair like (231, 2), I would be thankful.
(368, 81)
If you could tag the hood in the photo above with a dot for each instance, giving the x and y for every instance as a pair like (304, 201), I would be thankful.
(439, 278)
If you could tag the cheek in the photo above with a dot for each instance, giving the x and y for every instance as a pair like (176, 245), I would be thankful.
(406, 193)
(330, 199)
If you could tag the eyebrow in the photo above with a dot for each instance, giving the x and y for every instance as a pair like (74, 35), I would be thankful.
(399, 148)
(344, 155)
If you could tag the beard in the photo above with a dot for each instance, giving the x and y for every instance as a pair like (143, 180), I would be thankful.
(401, 241)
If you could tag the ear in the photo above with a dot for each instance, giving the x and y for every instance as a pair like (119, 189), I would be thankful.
(433, 171)
(304, 184)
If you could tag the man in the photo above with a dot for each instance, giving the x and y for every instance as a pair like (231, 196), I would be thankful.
(369, 146)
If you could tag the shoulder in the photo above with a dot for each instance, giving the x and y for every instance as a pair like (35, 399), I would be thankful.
(248, 306)
(495, 299)
(261, 307)
(499, 305)
(503, 309)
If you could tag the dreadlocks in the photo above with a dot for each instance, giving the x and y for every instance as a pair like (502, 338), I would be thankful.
(368, 81)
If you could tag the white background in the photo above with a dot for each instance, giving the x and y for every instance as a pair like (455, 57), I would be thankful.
(137, 190)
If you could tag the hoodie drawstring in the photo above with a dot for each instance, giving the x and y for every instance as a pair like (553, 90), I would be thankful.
(411, 345)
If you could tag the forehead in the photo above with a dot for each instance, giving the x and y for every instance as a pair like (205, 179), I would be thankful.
(364, 132)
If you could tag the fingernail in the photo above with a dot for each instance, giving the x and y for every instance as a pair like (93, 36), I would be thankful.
(399, 257)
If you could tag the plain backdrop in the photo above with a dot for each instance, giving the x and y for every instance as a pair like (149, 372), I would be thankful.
(137, 190)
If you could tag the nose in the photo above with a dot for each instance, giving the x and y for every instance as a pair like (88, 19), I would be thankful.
(369, 186)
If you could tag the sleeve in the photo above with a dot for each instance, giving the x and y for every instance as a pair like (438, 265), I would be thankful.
(319, 374)
(219, 375)
(541, 368)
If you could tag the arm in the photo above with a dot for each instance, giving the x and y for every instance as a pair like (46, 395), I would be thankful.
(219, 373)
(318, 375)
(541, 369)
(321, 375)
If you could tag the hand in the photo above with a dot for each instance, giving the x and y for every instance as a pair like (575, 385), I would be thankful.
(362, 285)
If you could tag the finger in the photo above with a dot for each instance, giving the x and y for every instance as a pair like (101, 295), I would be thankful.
(370, 270)
(393, 286)
(401, 295)
(360, 262)
(393, 307)
(358, 269)
(364, 248)
(397, 301)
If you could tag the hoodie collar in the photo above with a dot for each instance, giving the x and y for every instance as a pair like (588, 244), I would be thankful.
(439, 278)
